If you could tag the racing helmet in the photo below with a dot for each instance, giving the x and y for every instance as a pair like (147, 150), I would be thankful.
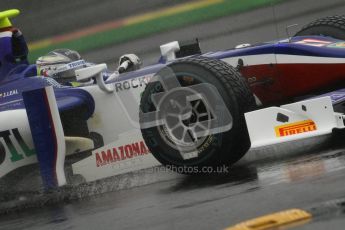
(60, 64)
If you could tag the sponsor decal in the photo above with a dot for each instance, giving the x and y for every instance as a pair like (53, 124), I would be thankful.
(76, 64)
(121, 153)
(132, 83)
(9, 93)
(9, 144)
(337, 45)
(313, 42)
(295, 128)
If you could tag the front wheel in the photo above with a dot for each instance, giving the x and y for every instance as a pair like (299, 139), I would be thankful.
(178, 133)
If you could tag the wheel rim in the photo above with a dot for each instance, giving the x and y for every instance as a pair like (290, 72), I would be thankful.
(179, 131)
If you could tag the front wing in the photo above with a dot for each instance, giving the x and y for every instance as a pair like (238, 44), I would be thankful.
(292, 122)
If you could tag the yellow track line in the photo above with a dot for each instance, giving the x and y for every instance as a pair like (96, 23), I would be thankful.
(184, 7)
(170, 11)
(40, 44)
(284, 218)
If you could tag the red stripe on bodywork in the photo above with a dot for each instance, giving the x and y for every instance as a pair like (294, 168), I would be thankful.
(292, 80)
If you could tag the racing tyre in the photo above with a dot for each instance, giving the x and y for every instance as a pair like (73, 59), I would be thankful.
(332, 26)
(223, 148)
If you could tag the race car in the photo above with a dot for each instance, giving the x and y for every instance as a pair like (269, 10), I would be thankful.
(189, 110)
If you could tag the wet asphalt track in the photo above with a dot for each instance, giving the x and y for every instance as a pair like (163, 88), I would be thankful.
(263, 182)
(254, 187)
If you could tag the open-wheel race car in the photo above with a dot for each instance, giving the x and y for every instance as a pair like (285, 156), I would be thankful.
(189, 110)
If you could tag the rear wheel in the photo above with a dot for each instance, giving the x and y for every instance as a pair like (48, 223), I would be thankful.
(212, 150)
(332, 26)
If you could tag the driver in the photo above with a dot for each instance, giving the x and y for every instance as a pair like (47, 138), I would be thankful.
(61, 64)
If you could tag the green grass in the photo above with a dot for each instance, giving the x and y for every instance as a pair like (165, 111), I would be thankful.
(126, 33)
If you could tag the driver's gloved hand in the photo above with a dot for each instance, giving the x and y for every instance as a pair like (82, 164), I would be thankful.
(129, 62)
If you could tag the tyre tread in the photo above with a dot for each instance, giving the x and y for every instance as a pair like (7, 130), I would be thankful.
(336, 22)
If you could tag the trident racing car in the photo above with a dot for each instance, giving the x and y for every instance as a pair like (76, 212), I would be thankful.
(189, 109)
